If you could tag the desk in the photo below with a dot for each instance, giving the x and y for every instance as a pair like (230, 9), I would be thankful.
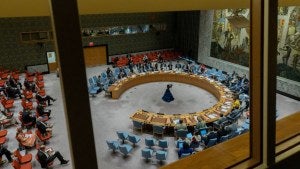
(221, 92)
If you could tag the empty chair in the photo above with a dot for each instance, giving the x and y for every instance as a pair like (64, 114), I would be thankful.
(181, 133)
(125, 149)
(211, 142)
(224, 138)
(161, 155)
(134, 139)
(138, 125)
(163, 144)
(122, 135)
(114, 145)
(150, 142)
(147, 153)
(92, 91)
(158, 130)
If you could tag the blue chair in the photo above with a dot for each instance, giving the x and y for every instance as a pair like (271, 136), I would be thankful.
(138, 125)
(125, 149)
(92, 91)
(211, 142)
(147, 153)
(150, 142)
(95, 79)
(133, 139)
(161, 155)
(185, 155)
(158, 130)
(163, 144)
(224, 138)
(181, 133)
(177, 143)
(122, 135)
(103, 74)
(114, 145)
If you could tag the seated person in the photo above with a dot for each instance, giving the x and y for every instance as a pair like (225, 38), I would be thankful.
(47, 156)
(13, 83)
(25, 139)
(7, 154)
(43, 127)
(221, 132)
(7, 119)
(236, 104)
(29, 86)
(195, 143)
(185, 149)
(180, 125)
(27, 117)
(210, 135)
(43, 99)
(222, 119)
(170, 66)
(12, 92)
(42, 111)
(109, 72)
(177, 66)
(201, 124)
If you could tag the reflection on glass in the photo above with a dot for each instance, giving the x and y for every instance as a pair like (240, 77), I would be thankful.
(124, 30)
(288, 55)
(231, 30)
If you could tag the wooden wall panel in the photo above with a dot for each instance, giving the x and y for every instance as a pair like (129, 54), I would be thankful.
(94, 56)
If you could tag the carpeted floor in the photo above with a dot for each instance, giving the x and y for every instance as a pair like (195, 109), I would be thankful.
(110, 116)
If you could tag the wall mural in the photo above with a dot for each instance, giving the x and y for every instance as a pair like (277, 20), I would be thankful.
(230, 39)
(288, 55)
(231, 36)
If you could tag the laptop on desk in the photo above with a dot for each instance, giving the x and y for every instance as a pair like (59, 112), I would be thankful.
(203, 132)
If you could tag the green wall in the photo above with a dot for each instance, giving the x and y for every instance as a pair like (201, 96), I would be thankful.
(16, 55)
(13, 53)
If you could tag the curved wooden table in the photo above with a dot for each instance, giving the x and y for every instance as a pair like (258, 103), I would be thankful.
(221, 92)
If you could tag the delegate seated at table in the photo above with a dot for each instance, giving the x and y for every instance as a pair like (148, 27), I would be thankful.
(185, 149)
(180, 125)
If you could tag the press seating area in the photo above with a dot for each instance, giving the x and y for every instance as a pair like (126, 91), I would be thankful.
(11, 106)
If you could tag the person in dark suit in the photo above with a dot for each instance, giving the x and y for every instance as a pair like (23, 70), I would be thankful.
(27, 118)
(43, 99)
(43, 127)
(7, 154)
(47, 156)
(222, 132)
(42, 111)
(185, 149)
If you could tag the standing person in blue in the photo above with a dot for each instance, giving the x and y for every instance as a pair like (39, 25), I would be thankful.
(168, 97)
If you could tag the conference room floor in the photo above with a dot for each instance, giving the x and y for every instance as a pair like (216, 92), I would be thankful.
(109, 116)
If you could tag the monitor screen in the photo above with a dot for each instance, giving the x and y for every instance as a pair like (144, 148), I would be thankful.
(189, 135)
(203, 132)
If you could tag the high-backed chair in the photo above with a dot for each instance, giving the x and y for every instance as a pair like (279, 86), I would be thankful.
(125, 149)
(138, 125)
(122, 135)
(147, 153)
(211, 142)
(185, 155)
(114, 145)
(158, 130)
(181, 133)
(23, 159)
(224, 138)
(163, 144)
(150, 142)
(133, 139)
(161, 155)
